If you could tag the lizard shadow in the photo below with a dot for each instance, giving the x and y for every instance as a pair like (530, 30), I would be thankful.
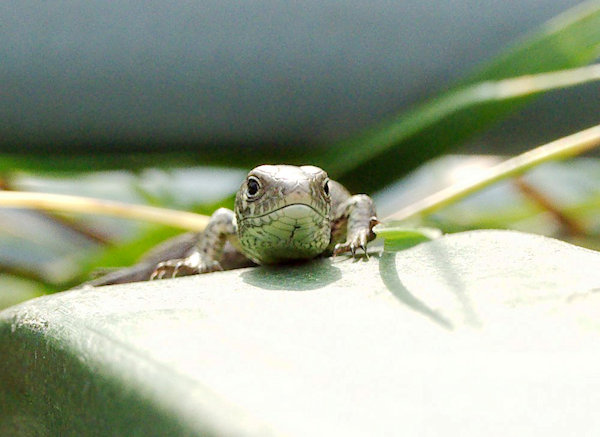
(298, 276)
(442, 259)
(391, 279)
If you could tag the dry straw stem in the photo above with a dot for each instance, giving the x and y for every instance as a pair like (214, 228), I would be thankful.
(535, 83)
(86, 205)
(560, 149)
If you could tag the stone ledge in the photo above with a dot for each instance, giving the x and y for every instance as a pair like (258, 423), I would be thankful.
(480, 333)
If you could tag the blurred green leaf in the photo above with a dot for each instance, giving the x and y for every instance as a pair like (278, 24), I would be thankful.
(123, 254)
(401, 144)
(399, 237)
(128, 253)
(15, 289)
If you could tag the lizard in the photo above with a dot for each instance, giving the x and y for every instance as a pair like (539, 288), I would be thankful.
(282, 213)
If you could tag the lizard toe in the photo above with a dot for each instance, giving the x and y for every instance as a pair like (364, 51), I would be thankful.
(212, 266)
(174, 268)
(355, 244)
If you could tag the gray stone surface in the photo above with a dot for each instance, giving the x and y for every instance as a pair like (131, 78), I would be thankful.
(480, 333)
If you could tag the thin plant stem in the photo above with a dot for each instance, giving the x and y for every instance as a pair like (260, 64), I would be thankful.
(87, 205)
(562, 148)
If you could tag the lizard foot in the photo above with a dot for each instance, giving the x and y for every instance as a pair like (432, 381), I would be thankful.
(357, 240)
(191, 265)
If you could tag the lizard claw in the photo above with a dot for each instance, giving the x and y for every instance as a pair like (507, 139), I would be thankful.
(352, 245)
(364, 249)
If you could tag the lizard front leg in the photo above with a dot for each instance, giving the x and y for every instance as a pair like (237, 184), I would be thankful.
(207, 254)
(357, 216)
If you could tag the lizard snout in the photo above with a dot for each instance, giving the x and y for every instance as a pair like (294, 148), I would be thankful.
(297, 194)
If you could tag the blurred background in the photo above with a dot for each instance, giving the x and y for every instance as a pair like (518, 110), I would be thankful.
(170, 104)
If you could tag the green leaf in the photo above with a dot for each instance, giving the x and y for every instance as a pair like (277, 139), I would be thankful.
(398, 237)
(470, 328)
(15, 289)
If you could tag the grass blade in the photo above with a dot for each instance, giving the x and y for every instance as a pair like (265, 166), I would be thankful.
(399, 145)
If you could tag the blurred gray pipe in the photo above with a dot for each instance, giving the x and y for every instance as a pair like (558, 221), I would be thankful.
(147, 73)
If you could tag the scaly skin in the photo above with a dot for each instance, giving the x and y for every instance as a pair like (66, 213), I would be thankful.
(288, 218)
(282, 213)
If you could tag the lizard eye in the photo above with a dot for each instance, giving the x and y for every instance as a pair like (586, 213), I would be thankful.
(253, 186)
(326, 187)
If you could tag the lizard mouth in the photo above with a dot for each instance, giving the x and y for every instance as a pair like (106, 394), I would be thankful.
(293, 210)
(293, 231)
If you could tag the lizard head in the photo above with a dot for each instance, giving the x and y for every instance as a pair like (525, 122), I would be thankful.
(283, 212)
